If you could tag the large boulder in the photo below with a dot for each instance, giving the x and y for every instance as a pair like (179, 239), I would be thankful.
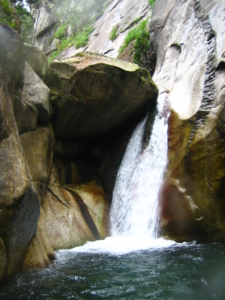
(93, 94)
(189, 42)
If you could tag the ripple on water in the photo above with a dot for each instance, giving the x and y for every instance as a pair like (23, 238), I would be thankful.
(175, 272)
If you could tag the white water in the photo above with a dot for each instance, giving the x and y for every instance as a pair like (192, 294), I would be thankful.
(134, 211)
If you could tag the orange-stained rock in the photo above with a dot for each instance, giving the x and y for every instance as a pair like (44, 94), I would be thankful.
(70, 216)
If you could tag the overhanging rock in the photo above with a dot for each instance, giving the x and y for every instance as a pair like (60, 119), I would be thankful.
(93, 94)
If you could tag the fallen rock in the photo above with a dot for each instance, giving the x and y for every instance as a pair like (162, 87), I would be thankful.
(92, 94)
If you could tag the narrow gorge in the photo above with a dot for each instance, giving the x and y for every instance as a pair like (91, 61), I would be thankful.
(112, 149)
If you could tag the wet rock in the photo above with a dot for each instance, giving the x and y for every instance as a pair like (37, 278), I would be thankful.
(40, 253)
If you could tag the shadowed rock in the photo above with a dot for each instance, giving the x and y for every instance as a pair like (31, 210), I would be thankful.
(93, 94)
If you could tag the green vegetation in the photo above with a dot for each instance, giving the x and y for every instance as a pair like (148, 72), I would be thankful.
(17, 17)
(6, 14)
(26, 23)
(60, 33)
(79, 40)
(79, 19)
(113, 34)
(151, 3)
(142, 37)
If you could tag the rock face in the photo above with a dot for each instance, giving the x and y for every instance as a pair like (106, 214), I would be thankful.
(19, 206)
(38, 214)
(188, 39)
(70, 216)
(48, 202)
(122, 14)
(36, 59)
(92, 94)
(44, 22)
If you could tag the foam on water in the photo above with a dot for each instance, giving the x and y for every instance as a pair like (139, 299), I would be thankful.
(124, 245)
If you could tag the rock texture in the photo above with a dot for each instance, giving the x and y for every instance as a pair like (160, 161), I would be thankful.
(70, 216)
(36, 59)
(44, 21)
(123, 14)
(19, 206)
(38, 214)
(188, 39)
(116, 90)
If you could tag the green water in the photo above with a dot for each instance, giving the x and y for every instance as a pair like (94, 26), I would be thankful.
(187, 272)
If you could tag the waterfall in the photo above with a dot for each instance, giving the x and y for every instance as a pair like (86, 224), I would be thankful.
(134, 211)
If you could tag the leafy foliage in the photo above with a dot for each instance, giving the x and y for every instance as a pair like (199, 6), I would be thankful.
(26, 23)
(113, 34)
(79, 40)
(6, 14)
(60, 31)
(24, 20)
(142, 37)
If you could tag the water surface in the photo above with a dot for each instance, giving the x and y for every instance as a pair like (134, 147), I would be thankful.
(187, 271)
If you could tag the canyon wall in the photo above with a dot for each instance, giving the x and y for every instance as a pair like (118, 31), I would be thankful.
(188, 39)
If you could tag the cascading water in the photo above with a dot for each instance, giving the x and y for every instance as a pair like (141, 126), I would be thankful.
(134, 211)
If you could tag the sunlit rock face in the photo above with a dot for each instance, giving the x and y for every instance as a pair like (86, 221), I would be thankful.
(70, 216)
(93, 94)
(189, 41)
(122, 14)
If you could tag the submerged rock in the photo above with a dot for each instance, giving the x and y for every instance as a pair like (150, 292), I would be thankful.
(93, 94)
